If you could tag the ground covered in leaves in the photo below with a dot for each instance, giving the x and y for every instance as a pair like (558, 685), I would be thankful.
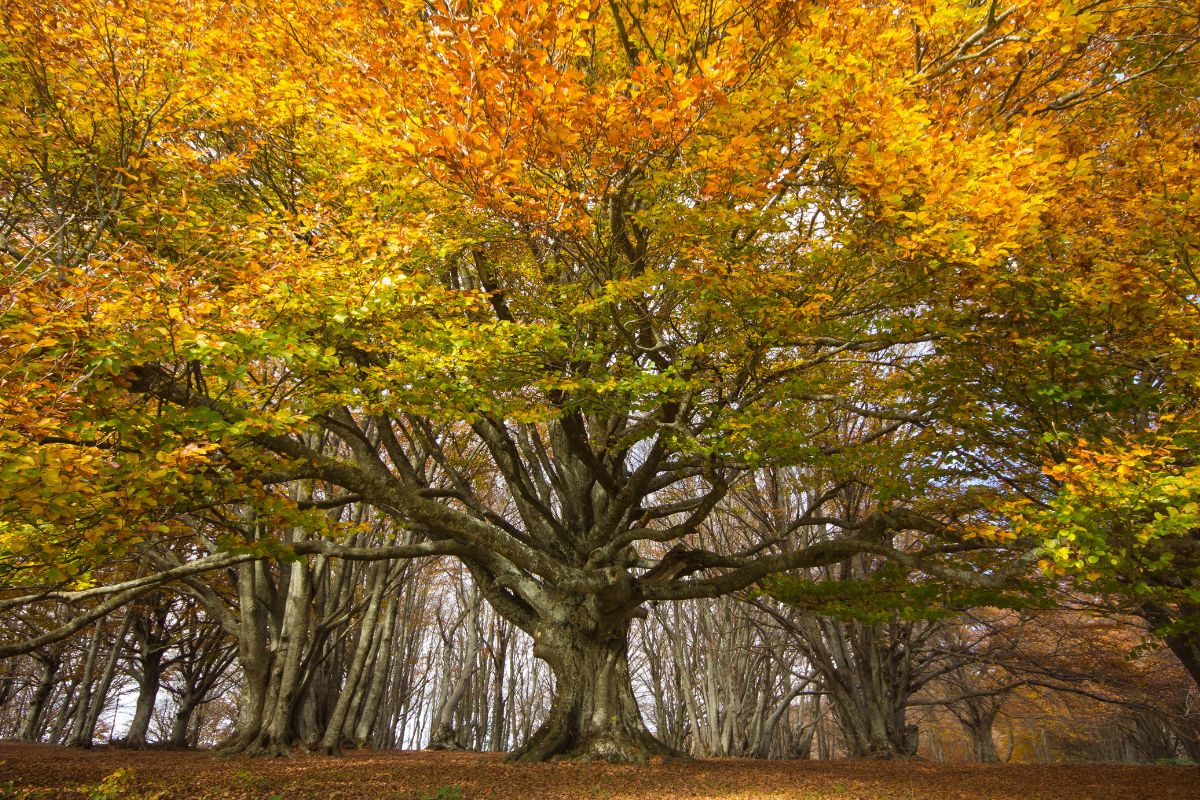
(42, 772)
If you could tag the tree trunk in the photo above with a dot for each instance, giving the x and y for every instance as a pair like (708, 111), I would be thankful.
(58, 729)
(47, 671)
(278, 734)
(1186, 647)
(684, 689)
(182, 720)
(761, 747)
(331, 742)
(983, 745)
(499, 662)
(865, 667)
(977, 716)
(808, 731)
(106, 679)
(148, 687)
(83, 703)
(151, 636)
(379, 675)
(254, 659)
(594, 715)
(873, 730)
(443, 733)
(1185, 644)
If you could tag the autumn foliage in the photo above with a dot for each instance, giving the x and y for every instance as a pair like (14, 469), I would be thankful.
(559, 289)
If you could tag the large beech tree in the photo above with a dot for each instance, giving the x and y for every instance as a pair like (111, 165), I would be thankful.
(540, 281)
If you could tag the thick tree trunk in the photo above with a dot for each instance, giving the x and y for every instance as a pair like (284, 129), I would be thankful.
(272, 676)
(181, 722)
(866, 670)
(147, 695)
(594, 715)
(761, 746)
(977, 716)
(1186, 647)
(872, 731)
(150, 634)
(278, 734)
(808, 731)
(983, 745)
(255, 660)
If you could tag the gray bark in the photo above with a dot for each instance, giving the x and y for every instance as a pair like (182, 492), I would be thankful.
(48, 665)
(331, 742)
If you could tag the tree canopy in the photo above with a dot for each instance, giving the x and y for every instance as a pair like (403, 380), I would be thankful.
(558, 288)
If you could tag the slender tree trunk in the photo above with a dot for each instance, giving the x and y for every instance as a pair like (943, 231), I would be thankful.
(57, 731)
(510, 711)
(83, 702)
(443, 735)
(683, 687)
(331, 742)
(47, 671)
(499, 663)
(379, 675)
(106, 679)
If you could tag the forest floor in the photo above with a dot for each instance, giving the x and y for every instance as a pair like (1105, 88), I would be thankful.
(42, 772)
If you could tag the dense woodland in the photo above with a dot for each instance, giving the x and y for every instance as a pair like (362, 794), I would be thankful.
(721, 678)
(602, 380)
